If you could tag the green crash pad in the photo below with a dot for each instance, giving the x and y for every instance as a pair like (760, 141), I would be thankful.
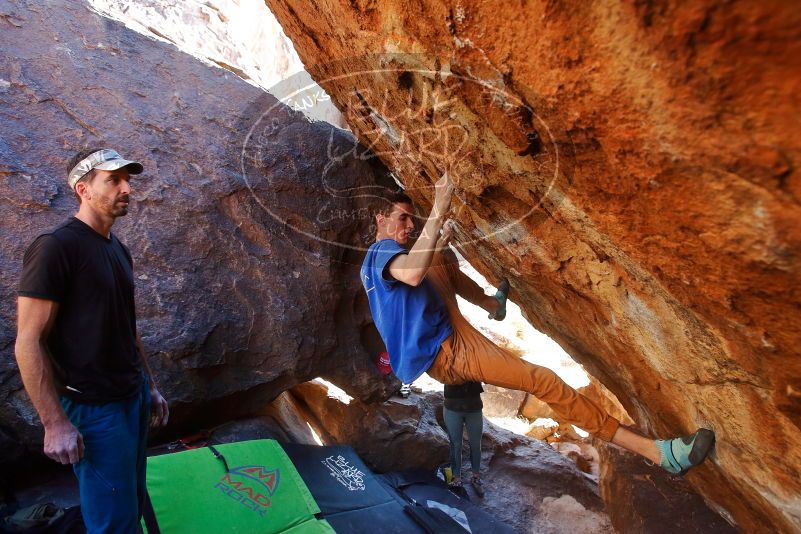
(261, 492)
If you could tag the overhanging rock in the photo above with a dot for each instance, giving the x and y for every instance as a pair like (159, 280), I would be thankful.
(632, 169)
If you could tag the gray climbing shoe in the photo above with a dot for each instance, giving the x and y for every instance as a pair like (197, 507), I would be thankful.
(678, 455)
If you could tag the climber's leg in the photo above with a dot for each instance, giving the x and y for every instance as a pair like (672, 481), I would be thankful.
(468, 355)
(473, 357)
(636, 443)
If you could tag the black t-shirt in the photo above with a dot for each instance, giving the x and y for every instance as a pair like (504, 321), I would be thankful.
(93, 340)
(464, 397)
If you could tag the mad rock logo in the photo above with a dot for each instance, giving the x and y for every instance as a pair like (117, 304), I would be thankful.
(344, 473)
(251, 486)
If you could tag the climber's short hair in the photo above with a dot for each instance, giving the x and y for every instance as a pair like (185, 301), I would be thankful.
(386, 200)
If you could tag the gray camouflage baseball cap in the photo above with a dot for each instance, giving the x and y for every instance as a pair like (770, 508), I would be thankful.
(105, 160)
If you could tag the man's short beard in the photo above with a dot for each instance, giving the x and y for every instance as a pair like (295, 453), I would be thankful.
(112, 209)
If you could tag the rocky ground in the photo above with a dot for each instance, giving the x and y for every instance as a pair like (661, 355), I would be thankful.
(533, 485)
(529, 485)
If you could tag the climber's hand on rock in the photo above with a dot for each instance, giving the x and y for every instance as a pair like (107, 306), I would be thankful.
(445, 235)
(443, 192)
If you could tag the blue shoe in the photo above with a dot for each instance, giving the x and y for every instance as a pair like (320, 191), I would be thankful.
(501, 295)
(678, 455)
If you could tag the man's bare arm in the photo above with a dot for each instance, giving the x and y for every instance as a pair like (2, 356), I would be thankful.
(63, 443)
(411, 268)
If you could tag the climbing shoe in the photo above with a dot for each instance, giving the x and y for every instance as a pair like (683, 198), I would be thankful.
(457, 488)
(447, 473)
(478, 486)
(501, 295)
(678, 455)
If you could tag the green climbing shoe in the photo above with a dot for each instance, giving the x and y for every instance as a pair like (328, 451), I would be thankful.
(678, 455)
(501, 295)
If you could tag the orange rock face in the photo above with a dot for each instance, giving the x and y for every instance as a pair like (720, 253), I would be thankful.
(633, 169)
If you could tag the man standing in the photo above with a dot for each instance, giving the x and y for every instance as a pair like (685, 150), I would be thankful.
(412, 296)
(81, 359)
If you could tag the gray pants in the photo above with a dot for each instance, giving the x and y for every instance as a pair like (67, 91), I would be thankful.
(455, 423)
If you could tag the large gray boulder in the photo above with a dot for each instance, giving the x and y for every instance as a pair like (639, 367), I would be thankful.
(239, 228)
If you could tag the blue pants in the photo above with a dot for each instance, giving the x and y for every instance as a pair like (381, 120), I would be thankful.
(111, 475)
(455, 423)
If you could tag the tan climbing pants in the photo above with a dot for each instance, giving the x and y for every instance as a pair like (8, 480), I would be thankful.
(467, 355)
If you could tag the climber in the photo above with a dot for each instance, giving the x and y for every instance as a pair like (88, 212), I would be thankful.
(412, 296)
(81, 359)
